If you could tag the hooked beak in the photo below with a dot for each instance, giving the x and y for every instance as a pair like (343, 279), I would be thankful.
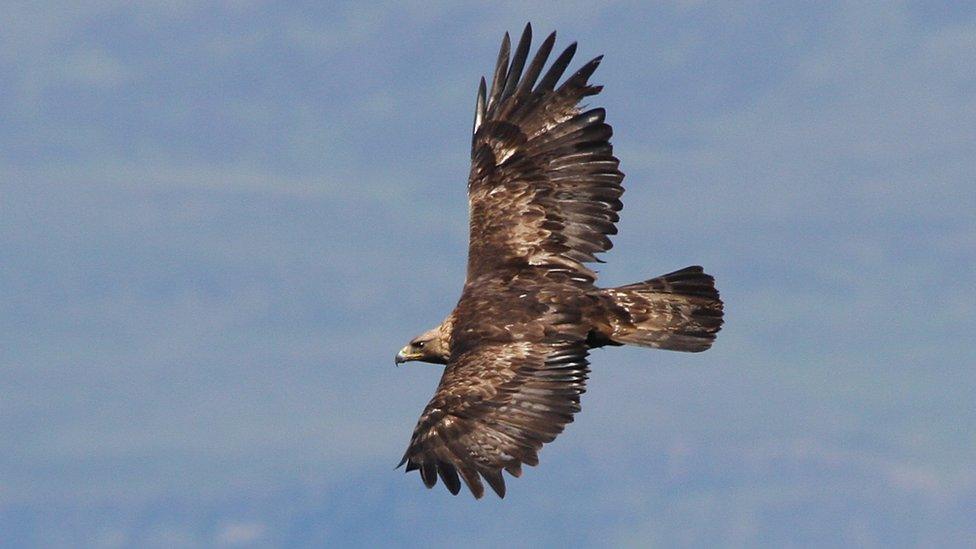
(402, 356)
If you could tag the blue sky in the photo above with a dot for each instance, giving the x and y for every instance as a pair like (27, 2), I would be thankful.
(219, 221)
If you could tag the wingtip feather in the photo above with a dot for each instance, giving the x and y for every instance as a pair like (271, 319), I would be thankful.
(495, 480)
(518, 63)
(448, 474)
(428, 472)
(480, 106)
(538, 62)
(557, 69)
(501, 68)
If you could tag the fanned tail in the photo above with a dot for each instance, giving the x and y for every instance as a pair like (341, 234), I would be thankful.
(679, 311)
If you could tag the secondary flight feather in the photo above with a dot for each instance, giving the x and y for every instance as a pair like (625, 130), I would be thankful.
(544, 195)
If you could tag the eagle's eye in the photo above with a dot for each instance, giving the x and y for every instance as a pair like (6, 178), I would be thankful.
(419, 344)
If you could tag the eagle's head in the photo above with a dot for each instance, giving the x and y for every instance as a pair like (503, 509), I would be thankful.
(431, 346)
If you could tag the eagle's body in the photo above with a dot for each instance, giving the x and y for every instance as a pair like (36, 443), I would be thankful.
(544, 193)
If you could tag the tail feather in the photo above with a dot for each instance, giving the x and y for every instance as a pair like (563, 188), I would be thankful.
(679, 311)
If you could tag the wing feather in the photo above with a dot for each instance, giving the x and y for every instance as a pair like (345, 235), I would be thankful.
(480, 108)
(545, 186)
(535, 68)
(557, 69)
(518, 63)
(495, 407)
(501, 70)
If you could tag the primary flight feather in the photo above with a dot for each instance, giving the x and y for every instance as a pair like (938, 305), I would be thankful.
(543, 192)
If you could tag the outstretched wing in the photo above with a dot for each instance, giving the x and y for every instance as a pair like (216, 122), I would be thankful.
(544, 187)
(494, 408)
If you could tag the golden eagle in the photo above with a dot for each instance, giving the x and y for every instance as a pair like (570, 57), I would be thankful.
(544, 192)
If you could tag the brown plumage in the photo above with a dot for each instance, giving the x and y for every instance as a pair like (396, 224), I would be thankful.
(544, 192)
